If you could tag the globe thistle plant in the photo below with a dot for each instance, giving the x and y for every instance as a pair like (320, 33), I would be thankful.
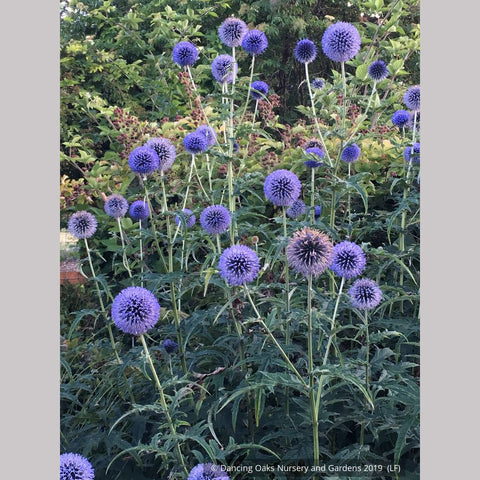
(238, 264)
(348, 260)
(82, 224)
(74, 466)
(314, 152)
(116, 206)
(351, 153)
(232, 31)
(411, 98)
(207, 471)
(296, 209)
(365, 294)
(318, 212)
(309, 252)
(135, 310)
(312, 143)
(139, 210)
(185, 54)
(255, 42)
(170, 346)
(258, 90)
(400, 118)
(282, 187)
(209, 132)
(378, 70)
(341, 42)
(143, 160)
(224, 68)
(318, 83)
(215, 219)
(413, 156)
(186, 216)
(305, 51)
(195, 143)
(165, 151)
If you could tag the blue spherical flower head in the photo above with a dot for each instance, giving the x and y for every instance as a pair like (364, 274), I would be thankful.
(208, 471)
(135, 310)
(195, 143)
(224, 68)
(413, 156)
(116, 206)
(74, 466)
(350, 153)
(378, 70)
(232, 31)
(296, 209)
(255, 42)
(309, 252)
(341, 42)
(365, 294)
(348, 260)
(314, 152)
(236, 147)
(400, 118)
(318, 212)
(143, 160)
(165, 151)
(82, 224)
(170, 346)
(186, 216)
(238, 264)
(209, 132)
(185, 54)
(139, 210)
(411, 98)
(258, 90)
(305, 51)
(318, 83)
(282, 187)
(215, 219)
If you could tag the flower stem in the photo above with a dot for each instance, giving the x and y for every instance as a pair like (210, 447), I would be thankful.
(332, 327)
(312, 197)
(249, 90)
(124, 253)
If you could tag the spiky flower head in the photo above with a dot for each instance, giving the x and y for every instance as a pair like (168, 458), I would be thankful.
(318, 211)
(411, 98)
(116, 206)
(296, 209)
(74, 466)
(350, 153)
(209, 132)
(170, 346)
(143, 160)
(413, 156)
(282, 187)
(185, 54)
(305, 51)
(341, 41)
(314, 152)
(215, 219)
(135, 310)
(400, 118)
(232, 31)
(255, 42)
(165, 151)
(309, 252)
(224, 67)
(348, 260)
(195, 143)
(82, 224)
(238, 264)
(139, 210)
(378, 70)
(236, 147)
(186, 216)
(259, 90)
(365, 294)
(318, 83)
(208, 471)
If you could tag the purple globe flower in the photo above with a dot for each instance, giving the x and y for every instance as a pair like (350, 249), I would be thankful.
(282, 187)
(350, 153)
(139, 210)
(309, 252)
(259, 90)
(305, 51)
(341, 42)
(185, 54)
(195, 143)
(209, 132)
(314, 152)
(232, 31)
(74, 466)
(82, 224)
(238, 264)
(348, 260)
(318, 212)
(318, 83)
(224, 68)
(255, 42)
(236, 147)
(365, 294)
(296, 209)
(378, 70)
(186, 216)
(411, 98)
(135, 310)
(413, 156)
(313, 143)
(208, 471)
(400, 118)
(143, 160)
(215, 219)
(165, 151)
(116, 206)
(170, 346)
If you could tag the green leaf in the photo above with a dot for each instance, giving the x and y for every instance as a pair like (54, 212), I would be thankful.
(362, 72)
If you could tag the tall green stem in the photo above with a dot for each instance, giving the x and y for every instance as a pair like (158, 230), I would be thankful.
(249, 89)
(312, 197)
(367, 368)
(124, 253)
